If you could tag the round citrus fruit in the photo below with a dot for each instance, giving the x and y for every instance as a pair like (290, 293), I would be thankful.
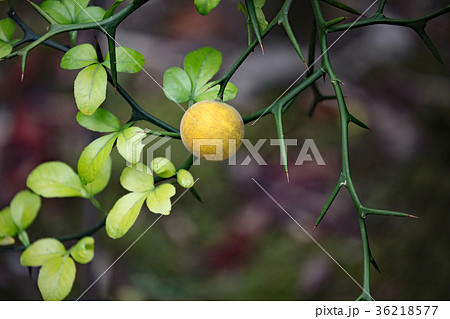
(212, 130)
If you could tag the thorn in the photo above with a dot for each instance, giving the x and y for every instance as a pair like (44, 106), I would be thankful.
(21, 77)
(307, 67)
(314, 229)
(262, 47)
(413, 216)
(287, 176)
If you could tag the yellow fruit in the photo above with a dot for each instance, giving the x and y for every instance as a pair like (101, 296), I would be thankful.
(212, 130)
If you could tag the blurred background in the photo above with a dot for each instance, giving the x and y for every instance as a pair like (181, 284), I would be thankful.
(237, 244)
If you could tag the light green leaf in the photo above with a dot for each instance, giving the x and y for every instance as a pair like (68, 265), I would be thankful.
(56, 278)
(83, 250)
(127, 60)
(101, 121)
(75, 7)
(24, 208)
(6, 240)
(55, 179)
(57, 11)
(124, 213)
(41, 251)
(7, 27)
(185, 179)
(5, 49)
(158, 201)
(205, 6)
(177, 85)
(79, 57)
(90, 88)
(23, 237)
(230, 92)
(129, 143)
(163, 167)
(262, 22)
(102, 179)
(94, 157)
(201, 65)
(137, 178)
(7, 225)
(91, 14)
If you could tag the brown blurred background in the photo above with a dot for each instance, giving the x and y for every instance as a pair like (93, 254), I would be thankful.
(238, 245)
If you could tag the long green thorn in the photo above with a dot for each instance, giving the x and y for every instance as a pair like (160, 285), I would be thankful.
(330, 200)
(277, 113)
(372, 211)
(252, 13)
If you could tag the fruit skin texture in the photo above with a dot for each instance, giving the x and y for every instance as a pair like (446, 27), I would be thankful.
(212, 120)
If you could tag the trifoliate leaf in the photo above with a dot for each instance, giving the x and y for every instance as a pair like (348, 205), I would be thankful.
(163, 167)
(129, 143)
(204, 94)
(24, 208)
(56, 278)
(123, 214)
(137, 178)
(158, 200)
(83, 250)
(90, 88)
(101, 121)
(41, 251)
(185, 179)
(55, 179)
(94, 157)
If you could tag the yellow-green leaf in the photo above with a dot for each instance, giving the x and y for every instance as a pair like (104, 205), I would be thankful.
(163, 167)
(24, 208)
(102, 179)
(137, 178)
(129, 143)
(90, 88)
(123, 214)
(41, 251)
(56, 278)
(7, 225)
(158, 200)
(185, 179)
(83, 250)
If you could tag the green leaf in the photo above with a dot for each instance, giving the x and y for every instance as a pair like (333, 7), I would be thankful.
(230, 92)
(124, 213)
(90, 88)
(102, 179)
(262, 22)
(205, 6)
(24, 208)
(41, 251)
(56, 278)
(23, 237)
(83, 250)
(6, 240)
(91, 14)
(163, 167)
(177, 85)
(75, 7)
(5, 49)
(7, 225)
(79, 57)
(158, 200)
(94, 157)
(101, 121)
(137, 178)
(185, 179)
(127, 60)
(129, 143)
(55, 179)
(7, 28)
(201, 65)
(112, 8)
(57, 11)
